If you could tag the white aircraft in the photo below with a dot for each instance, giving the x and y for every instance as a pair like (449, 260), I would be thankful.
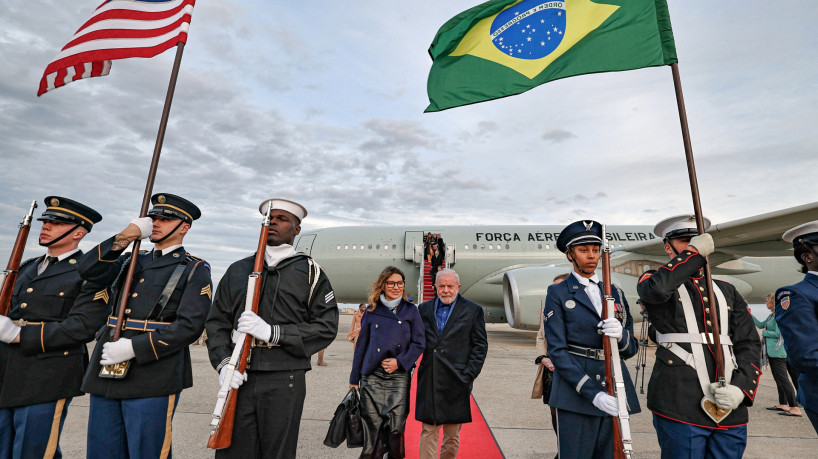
(507, 269)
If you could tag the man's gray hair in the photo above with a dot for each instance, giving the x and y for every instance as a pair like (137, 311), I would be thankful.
(445, 271)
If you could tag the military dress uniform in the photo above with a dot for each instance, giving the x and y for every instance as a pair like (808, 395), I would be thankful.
(796, 312)
(58, 313)
(675, 390)
(167, 305)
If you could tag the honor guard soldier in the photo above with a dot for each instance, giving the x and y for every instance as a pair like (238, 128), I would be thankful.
(132, 408)
(574, 330)
(683, 383)
(53, 313)
(297, 317)
(796, 312)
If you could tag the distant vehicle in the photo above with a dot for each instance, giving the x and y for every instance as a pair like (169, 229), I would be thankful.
(507, 268)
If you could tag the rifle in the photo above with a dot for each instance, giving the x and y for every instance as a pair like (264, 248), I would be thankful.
(614, 382)
(221, 426)
(9, 276)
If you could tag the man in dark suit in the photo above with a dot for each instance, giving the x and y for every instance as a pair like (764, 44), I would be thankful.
(53, 313)
(456, 347)
(796, 311)
(131, 415)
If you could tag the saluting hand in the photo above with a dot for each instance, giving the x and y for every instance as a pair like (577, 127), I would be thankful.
(390, 365)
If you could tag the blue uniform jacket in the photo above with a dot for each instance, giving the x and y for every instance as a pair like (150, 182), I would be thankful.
(796, 311)
(572, 319)
(385, 335)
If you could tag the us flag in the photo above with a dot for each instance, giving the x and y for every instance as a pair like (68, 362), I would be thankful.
(119, 29)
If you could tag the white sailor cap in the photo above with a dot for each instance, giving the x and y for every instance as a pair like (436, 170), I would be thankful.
(679, 226)
(808, 232)
(284, 204)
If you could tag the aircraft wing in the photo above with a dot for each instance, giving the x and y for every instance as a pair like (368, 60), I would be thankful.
(758, 236)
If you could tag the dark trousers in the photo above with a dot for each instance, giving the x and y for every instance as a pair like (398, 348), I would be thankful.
(33, 430)
(794, 374)
(268, 416)
(130, 427)
(685, 441)
(808, 391)
(584, 436)
(384, 409)
(786, 394)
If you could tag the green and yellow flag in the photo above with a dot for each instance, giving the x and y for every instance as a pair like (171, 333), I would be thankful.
(506, 47)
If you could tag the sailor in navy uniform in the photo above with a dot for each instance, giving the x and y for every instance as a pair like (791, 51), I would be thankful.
(574, 331)
(796, 312)
(167, 305)
(52, 314)
(297, 317)
(682, 392)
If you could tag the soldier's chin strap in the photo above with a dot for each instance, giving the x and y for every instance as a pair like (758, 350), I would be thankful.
(181, 222)
(667, 241)
(61, 237)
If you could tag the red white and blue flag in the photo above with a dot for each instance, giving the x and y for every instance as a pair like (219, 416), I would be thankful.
(119, 29)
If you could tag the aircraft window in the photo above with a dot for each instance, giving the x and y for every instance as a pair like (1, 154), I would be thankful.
(339, 247)
(483, 246)
(378, 246)
(346, 247)
(386, 246)
(539, 246)
(370, 246)
(353, 246)
(466, 246)
(394, 246)
(474, 246)
(547, 246)
(627, 270)
(491, 246)
(507, 247)
(645, 268)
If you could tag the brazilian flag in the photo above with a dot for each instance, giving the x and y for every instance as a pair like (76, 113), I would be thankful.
(506, 47)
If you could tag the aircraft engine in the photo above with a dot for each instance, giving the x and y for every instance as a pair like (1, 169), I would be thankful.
(524, 291)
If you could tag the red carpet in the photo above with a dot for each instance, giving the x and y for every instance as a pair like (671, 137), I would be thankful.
(476, 439)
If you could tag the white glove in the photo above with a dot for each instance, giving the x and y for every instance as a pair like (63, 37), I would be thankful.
(117, 352)
(728, 397)
(145, 225)
(611, 327)
(607, 403)
(252, 324)
(8, 331)
(237, 379)
(703, 243)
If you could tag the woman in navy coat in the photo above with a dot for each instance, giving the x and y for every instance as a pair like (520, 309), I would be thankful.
(391, 339)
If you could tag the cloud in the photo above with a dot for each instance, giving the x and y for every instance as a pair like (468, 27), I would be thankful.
(558, 135)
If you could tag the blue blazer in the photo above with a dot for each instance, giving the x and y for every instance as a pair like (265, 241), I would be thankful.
(386, 335)
(570, 318)
(796, 312)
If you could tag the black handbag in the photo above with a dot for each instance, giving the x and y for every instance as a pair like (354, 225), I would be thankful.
(547, 377)
(346, 423)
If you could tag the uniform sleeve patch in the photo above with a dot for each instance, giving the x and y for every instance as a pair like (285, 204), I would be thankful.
(785, 302)
(329, 297)
(782, 293)
(102, 295)
(548, 316)
(208, 291)
(645, 277)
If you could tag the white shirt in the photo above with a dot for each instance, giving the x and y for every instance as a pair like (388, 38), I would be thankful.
(44, 264)
(275, 253)
(169, 249)
(592, 290)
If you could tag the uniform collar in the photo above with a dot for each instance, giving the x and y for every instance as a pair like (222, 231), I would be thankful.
(586, 280)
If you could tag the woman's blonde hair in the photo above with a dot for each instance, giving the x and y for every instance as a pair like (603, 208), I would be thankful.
(770, 297)
(380, 284)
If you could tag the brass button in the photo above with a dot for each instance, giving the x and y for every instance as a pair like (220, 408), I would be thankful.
(708, 323)
(176, 255)
(707, 310)
(701, 289)
(65, 353)
(670, 362)
(29, 290)
(62, 293)
(756, 372)
(379, 349)
(755, 382)
(376, 325)
(729, 308)
(670, 265)
(24, 305)
(696, 281)
(291, 386)
(128, 311)
(751, 391)
(597, 377)
(399, 322)
(135, 295)
(679, 259)
(705, 299)
(141, 280)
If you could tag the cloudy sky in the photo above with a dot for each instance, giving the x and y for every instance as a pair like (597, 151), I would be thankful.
(322, 102)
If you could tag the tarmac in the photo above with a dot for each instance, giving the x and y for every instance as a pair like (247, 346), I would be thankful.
(521, 425)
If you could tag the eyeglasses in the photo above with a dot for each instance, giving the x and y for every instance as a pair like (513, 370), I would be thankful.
(391, 284)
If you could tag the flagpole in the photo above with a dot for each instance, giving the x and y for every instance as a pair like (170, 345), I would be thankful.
(697, 210)
(146, 198)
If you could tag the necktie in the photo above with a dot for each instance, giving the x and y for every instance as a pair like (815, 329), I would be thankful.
(156, 254)
(52, 260)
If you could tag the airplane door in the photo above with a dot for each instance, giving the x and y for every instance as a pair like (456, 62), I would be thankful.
(305, 244)
(413, 238)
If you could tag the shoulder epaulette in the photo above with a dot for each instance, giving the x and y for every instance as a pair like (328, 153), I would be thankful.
(193, 258)
(27, 262)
